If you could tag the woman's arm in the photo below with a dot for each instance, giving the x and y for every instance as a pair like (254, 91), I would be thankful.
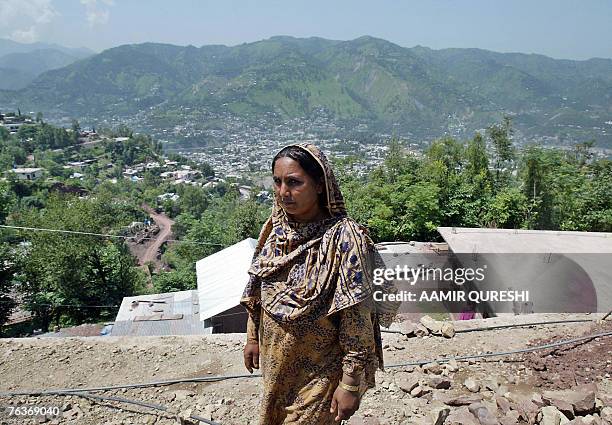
(253, 327)
(357, 340)
(358, 345)
(251, 348)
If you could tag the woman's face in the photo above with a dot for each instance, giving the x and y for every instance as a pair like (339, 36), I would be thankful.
(296, 191)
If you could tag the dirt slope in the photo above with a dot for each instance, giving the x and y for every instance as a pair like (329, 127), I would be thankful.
(97, 361)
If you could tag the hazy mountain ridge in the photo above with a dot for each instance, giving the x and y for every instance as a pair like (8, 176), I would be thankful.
(21, 63)
(416, 90)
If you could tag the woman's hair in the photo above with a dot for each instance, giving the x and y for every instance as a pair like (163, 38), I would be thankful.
(308, 163)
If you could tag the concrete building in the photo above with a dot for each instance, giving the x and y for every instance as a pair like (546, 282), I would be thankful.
(563, 272)
(27, 173)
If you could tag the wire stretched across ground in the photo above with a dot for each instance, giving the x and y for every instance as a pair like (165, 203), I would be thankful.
(69, 391)
(489, 328)
(153, 406)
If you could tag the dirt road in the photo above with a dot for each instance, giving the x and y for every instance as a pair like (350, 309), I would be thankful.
(165, 232)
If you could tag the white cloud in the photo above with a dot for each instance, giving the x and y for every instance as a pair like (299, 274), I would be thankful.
(97, 11)
(20, 20)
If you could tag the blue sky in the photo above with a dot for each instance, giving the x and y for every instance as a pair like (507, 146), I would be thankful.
(573, 29)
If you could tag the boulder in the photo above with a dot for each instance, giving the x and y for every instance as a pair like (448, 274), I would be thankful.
(550, 415)
(484, 416)
(406, 381)
(439, 383)
(434, 326)
(421, 330)
(510, 418)
(447, 330)
(461, 416)
(502, 403)
(471, 385)
(433, 367)
(463, 400)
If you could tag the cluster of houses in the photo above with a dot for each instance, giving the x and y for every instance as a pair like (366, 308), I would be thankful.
(173, 172)
(12, 122)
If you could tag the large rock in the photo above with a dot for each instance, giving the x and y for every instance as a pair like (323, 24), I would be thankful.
(447, 330)
(452, 365)
(407, 381)
(433, 367)
(484, 416)
(434, 326)
(553, 398)
(408, 329)
(438, 414)
(463, 400)
(528, 410)
(461, 416)
(550, 415)
(439, 383)
(581, 398)
(510, 418)
(471, 385)
(502, 403)
(421, 330)
(419, 391)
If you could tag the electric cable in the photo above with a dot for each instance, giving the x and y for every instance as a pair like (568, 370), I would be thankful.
(105, 235)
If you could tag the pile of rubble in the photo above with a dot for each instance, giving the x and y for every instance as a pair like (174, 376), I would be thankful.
(428, 326)
(491, 401)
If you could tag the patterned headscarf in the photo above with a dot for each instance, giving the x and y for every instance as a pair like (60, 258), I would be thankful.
(304, 270)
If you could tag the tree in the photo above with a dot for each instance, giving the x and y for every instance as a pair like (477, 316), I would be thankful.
(422, 213)
(192, 200)
(508, 209)
(476, 157)
(8, 268)
(535, 175)
(396, 161)
(176, 280)
(7, 200)
(64, 269)
(449, 152)
(504, 152)
(583, 153)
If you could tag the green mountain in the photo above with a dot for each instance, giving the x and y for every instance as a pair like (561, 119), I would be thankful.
(415, 91)
(21, 63)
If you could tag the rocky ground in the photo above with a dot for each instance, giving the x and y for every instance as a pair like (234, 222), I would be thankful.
(555, 386)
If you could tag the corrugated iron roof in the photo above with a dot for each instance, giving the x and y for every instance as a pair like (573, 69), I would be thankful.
(172, 313)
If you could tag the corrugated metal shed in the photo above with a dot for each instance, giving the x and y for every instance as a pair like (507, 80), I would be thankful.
(172, 313)
(222, 278)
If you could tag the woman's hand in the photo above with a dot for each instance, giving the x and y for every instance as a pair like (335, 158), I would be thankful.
(251, 356)
(344, 403)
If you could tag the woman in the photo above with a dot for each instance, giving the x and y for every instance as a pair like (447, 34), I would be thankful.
(309, 298)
